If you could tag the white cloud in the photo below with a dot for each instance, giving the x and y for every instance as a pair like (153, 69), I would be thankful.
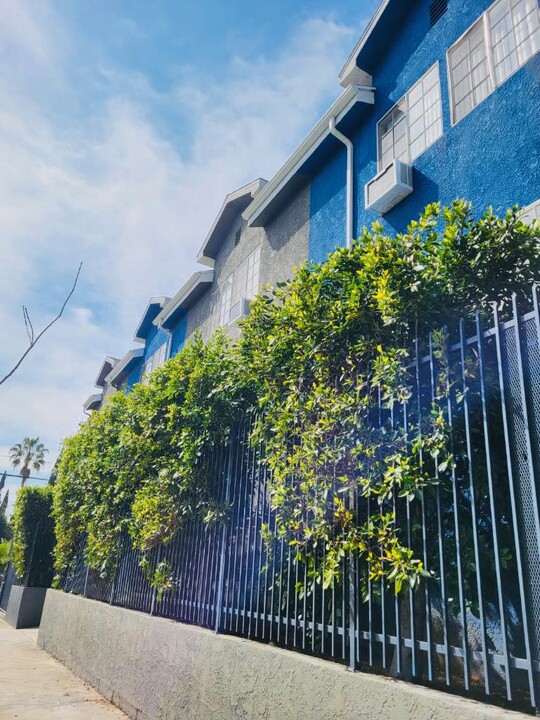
(112, 189)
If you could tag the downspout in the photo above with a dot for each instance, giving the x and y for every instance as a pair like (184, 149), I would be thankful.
(169, 343)
(350, 179)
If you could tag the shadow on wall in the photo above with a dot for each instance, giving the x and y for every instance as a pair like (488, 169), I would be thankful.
(425, 190)
(290, 220)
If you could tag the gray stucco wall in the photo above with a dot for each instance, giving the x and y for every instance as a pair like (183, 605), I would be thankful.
(286, 242)
(205, 313)
(284, 245)
(157, 669)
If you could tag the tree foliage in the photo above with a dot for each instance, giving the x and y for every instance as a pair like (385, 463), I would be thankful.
(33, 534)
(317, 356)
(139, 464)
(323, 353)
(30, 453)
(5, 527)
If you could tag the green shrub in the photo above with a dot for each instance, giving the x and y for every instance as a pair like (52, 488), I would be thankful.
(315, 356)
(33, 535)
(5, 546)
(322, 350)
(138, 465)
(5, 527)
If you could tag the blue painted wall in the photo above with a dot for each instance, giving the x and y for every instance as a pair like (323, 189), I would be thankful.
(134, 377)
(327, 206)
(154, 340)
(491, 156)
(179, 335)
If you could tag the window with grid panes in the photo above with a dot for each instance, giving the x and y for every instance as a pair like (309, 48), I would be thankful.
(414, 123)
(226, 298)
(502, 40)
(531, 212)
(242, 283)
(153, 362)
(252, 279)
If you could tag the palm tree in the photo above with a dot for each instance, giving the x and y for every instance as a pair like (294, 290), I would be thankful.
(29, 453)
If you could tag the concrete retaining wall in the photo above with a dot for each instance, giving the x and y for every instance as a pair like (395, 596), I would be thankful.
(157, 669)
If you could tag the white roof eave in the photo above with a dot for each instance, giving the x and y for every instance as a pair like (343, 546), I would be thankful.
(351, 60)
(119, 367)
(252, 189)
(91, 399)
(342, 106)
(198, 278)
(158, 300)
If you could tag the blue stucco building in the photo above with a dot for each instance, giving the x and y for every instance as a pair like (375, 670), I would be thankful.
(440, 100)
(449, 88)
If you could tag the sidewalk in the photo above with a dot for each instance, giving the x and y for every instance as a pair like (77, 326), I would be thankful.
(35, 686)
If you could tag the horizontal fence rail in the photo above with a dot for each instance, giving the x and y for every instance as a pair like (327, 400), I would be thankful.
(475, 627)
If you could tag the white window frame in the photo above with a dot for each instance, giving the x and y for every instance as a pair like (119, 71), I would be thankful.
(225, 301)
(230, 293)
(484, 21)
(408, 158)
(531, 213)
(154, 361)
(253, 273)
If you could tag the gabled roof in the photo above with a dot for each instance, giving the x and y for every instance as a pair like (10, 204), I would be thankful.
(185, 298)
(287, 178)
(105, 369)
(124, 366)
(93, 402)
(233, 205)
(374, 40)
(155, 304)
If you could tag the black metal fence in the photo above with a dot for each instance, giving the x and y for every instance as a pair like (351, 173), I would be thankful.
(475, 628)
(39, 572)
(7, 580)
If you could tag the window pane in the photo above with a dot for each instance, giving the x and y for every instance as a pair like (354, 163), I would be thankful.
(226, 296)
(514, 28)
(402, 132)
(469, 74)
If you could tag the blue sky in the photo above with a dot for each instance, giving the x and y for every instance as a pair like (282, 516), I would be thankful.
(122, 126)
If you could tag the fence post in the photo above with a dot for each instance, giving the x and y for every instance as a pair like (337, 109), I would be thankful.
(29, 566)
(352, 597)
(221, 578)
(154, 593)
(113, 585)
(86, 580)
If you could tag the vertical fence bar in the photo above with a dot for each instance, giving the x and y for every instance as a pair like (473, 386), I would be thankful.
(86, 580)
(261, 485)
(353, 581)
(233, 534)
(492, 507)
(219, 594)
(410, 543)
(477, 559)
(253, 521)
(457, 529)
(427, 598)
(440, 527)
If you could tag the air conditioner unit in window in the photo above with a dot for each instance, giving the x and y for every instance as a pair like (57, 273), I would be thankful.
(239, 310)
(389, 187)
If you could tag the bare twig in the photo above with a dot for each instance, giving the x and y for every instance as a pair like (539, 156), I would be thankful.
(32, 337)
(28, 323)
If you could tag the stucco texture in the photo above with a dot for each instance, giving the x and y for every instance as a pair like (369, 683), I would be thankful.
(284, 245)
(490, 157)
(157, 669)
